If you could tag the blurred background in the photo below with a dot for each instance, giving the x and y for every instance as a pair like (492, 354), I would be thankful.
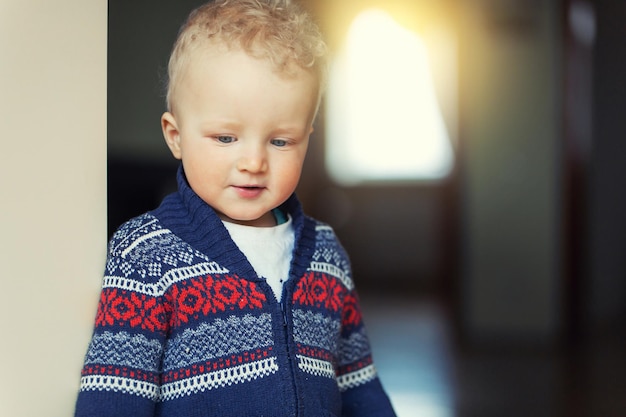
(469, 154)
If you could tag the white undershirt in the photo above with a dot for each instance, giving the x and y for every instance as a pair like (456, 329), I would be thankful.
(268, 249)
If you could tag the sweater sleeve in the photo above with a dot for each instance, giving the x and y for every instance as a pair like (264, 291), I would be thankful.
(121, 372)
(362, 392)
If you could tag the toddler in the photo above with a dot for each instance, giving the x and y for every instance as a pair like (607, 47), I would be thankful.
(227, 300)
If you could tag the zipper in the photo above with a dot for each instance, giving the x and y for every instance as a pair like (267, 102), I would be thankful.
(291, 362)
(284, 314)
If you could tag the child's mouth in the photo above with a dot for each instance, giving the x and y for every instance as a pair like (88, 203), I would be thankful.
(249, 191)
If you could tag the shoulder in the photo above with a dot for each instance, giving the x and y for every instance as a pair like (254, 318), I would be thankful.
(131, 231)
(141, 234)
(142, 248)
(329, 255)
(325, 235)
(323, 230)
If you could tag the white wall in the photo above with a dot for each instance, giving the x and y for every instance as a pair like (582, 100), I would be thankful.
(53, 197)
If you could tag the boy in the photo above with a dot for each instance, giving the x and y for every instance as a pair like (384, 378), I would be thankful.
(227, 300)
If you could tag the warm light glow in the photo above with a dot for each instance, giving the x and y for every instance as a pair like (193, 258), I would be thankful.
(383, 117)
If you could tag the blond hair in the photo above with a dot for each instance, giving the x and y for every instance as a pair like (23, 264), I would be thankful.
(277, 30)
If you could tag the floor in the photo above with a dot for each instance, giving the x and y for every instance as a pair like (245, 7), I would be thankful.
(426, 375)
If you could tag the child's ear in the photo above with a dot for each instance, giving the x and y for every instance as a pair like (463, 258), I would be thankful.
(171, 134)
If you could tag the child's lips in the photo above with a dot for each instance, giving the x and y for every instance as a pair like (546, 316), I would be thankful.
(248, 191)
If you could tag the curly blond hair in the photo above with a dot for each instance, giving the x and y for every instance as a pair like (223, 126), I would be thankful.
(277, 30)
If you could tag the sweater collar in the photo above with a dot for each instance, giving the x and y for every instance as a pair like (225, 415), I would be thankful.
(197, 223)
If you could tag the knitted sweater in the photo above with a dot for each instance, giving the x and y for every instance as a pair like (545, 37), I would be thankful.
(185, 327)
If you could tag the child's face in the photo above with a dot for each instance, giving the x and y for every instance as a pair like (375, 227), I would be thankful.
(241, 131)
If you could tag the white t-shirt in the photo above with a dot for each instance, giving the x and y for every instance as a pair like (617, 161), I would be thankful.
(268, 249)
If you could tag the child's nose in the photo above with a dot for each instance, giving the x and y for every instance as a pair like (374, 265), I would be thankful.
(254, 160)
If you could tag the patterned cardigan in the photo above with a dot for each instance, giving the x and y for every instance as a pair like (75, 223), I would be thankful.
(185, 327)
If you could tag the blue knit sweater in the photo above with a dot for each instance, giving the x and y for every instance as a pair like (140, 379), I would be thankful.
(185, 327)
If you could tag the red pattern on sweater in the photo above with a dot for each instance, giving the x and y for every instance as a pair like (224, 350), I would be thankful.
(185, 300)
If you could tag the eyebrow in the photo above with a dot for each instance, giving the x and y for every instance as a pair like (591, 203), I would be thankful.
(291, 130)
(222, 124)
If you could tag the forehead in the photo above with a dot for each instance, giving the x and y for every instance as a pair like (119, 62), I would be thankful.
(205, 49)
(220, 80)
(211, 62)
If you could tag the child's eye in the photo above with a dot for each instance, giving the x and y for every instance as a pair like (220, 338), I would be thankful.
(279, 142)
(225, 139)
